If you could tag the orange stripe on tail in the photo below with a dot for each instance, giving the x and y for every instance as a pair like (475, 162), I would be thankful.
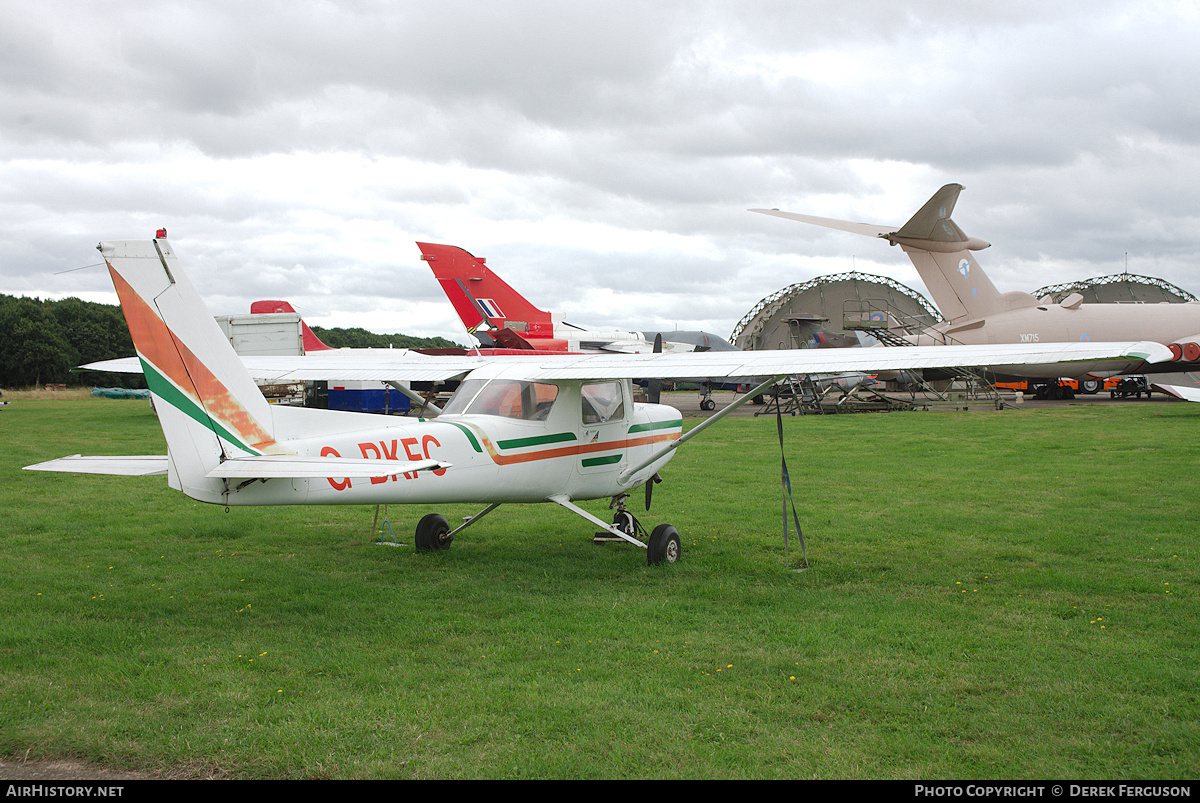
(158, 345)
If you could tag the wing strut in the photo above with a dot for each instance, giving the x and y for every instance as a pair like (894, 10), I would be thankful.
(684, 438)
(787, 490)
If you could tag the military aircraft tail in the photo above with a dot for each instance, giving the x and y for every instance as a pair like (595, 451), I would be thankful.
(481, 297)
(207, 403)
(941, 253)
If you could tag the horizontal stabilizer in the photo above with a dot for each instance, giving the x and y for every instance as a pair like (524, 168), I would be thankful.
(119, 465)
(865, 229)
(120, 365)
(932, 221)
(939, 250)
(930, 229)
(287, 466)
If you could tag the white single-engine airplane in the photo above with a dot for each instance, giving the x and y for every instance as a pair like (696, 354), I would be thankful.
(547, 428)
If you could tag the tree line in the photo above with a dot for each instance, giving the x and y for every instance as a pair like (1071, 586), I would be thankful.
(41, 341)
(358, 338)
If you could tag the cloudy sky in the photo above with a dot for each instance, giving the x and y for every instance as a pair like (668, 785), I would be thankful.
(600, 155)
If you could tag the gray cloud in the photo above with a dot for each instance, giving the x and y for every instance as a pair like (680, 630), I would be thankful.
(602, 154)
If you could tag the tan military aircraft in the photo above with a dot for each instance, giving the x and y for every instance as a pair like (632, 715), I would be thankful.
(977, 313)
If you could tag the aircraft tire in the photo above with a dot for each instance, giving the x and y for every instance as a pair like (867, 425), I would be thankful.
(665, 545)
(432, 532)
(624, 521)
(708, 404)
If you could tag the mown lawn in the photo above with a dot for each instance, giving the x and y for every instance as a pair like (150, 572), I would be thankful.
(990, 595)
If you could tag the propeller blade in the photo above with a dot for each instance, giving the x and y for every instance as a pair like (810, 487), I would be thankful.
(650, 483)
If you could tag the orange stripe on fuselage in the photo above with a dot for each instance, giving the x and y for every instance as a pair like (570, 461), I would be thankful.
(158, 345)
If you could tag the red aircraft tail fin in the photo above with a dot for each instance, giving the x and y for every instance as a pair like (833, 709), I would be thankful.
(480, 296)
(311, 341)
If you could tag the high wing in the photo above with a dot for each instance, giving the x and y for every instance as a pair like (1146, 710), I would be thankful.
(785, 362)
(340, 364)
(402, 365)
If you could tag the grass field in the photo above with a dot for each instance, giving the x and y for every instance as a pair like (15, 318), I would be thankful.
(991, 595)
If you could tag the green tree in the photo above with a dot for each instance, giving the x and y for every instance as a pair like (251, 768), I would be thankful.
(359, 338)
(95, 332)
(33, 349)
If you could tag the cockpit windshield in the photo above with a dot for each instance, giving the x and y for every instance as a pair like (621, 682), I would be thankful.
(508, 398)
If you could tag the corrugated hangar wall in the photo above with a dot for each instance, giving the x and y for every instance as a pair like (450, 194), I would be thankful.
(769, 325)
(772, 322)
(1120, 288)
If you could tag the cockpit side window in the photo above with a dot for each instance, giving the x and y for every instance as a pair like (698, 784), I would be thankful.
(602, 402)
(529, 401)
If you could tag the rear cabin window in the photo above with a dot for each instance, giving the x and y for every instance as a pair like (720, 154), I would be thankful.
(603, 402)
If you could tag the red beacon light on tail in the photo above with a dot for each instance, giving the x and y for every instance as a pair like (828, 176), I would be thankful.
(160, 234)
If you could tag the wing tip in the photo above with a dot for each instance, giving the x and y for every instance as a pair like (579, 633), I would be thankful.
(1149, 351)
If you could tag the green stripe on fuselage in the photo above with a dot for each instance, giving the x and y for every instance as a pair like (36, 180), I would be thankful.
(607, 460)
(537, 440)
(470, 435)
(678, 422)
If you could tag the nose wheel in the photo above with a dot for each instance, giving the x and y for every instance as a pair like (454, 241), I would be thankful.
(624, 521)
(663, 545)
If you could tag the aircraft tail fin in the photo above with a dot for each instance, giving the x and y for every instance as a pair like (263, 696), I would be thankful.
(310, 339)
(207, 403)
(480, 296)
(941, 253)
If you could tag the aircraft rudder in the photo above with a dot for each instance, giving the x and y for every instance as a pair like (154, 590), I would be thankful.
(479, 295)
(208, 404)
(941, 253)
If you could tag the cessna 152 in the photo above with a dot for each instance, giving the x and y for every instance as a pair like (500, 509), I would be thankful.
(545, 428)
(976, 312)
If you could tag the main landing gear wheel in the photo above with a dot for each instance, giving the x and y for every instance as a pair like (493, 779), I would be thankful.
(624, 521)
(664, 546)
(708, 404)
(433, 533)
